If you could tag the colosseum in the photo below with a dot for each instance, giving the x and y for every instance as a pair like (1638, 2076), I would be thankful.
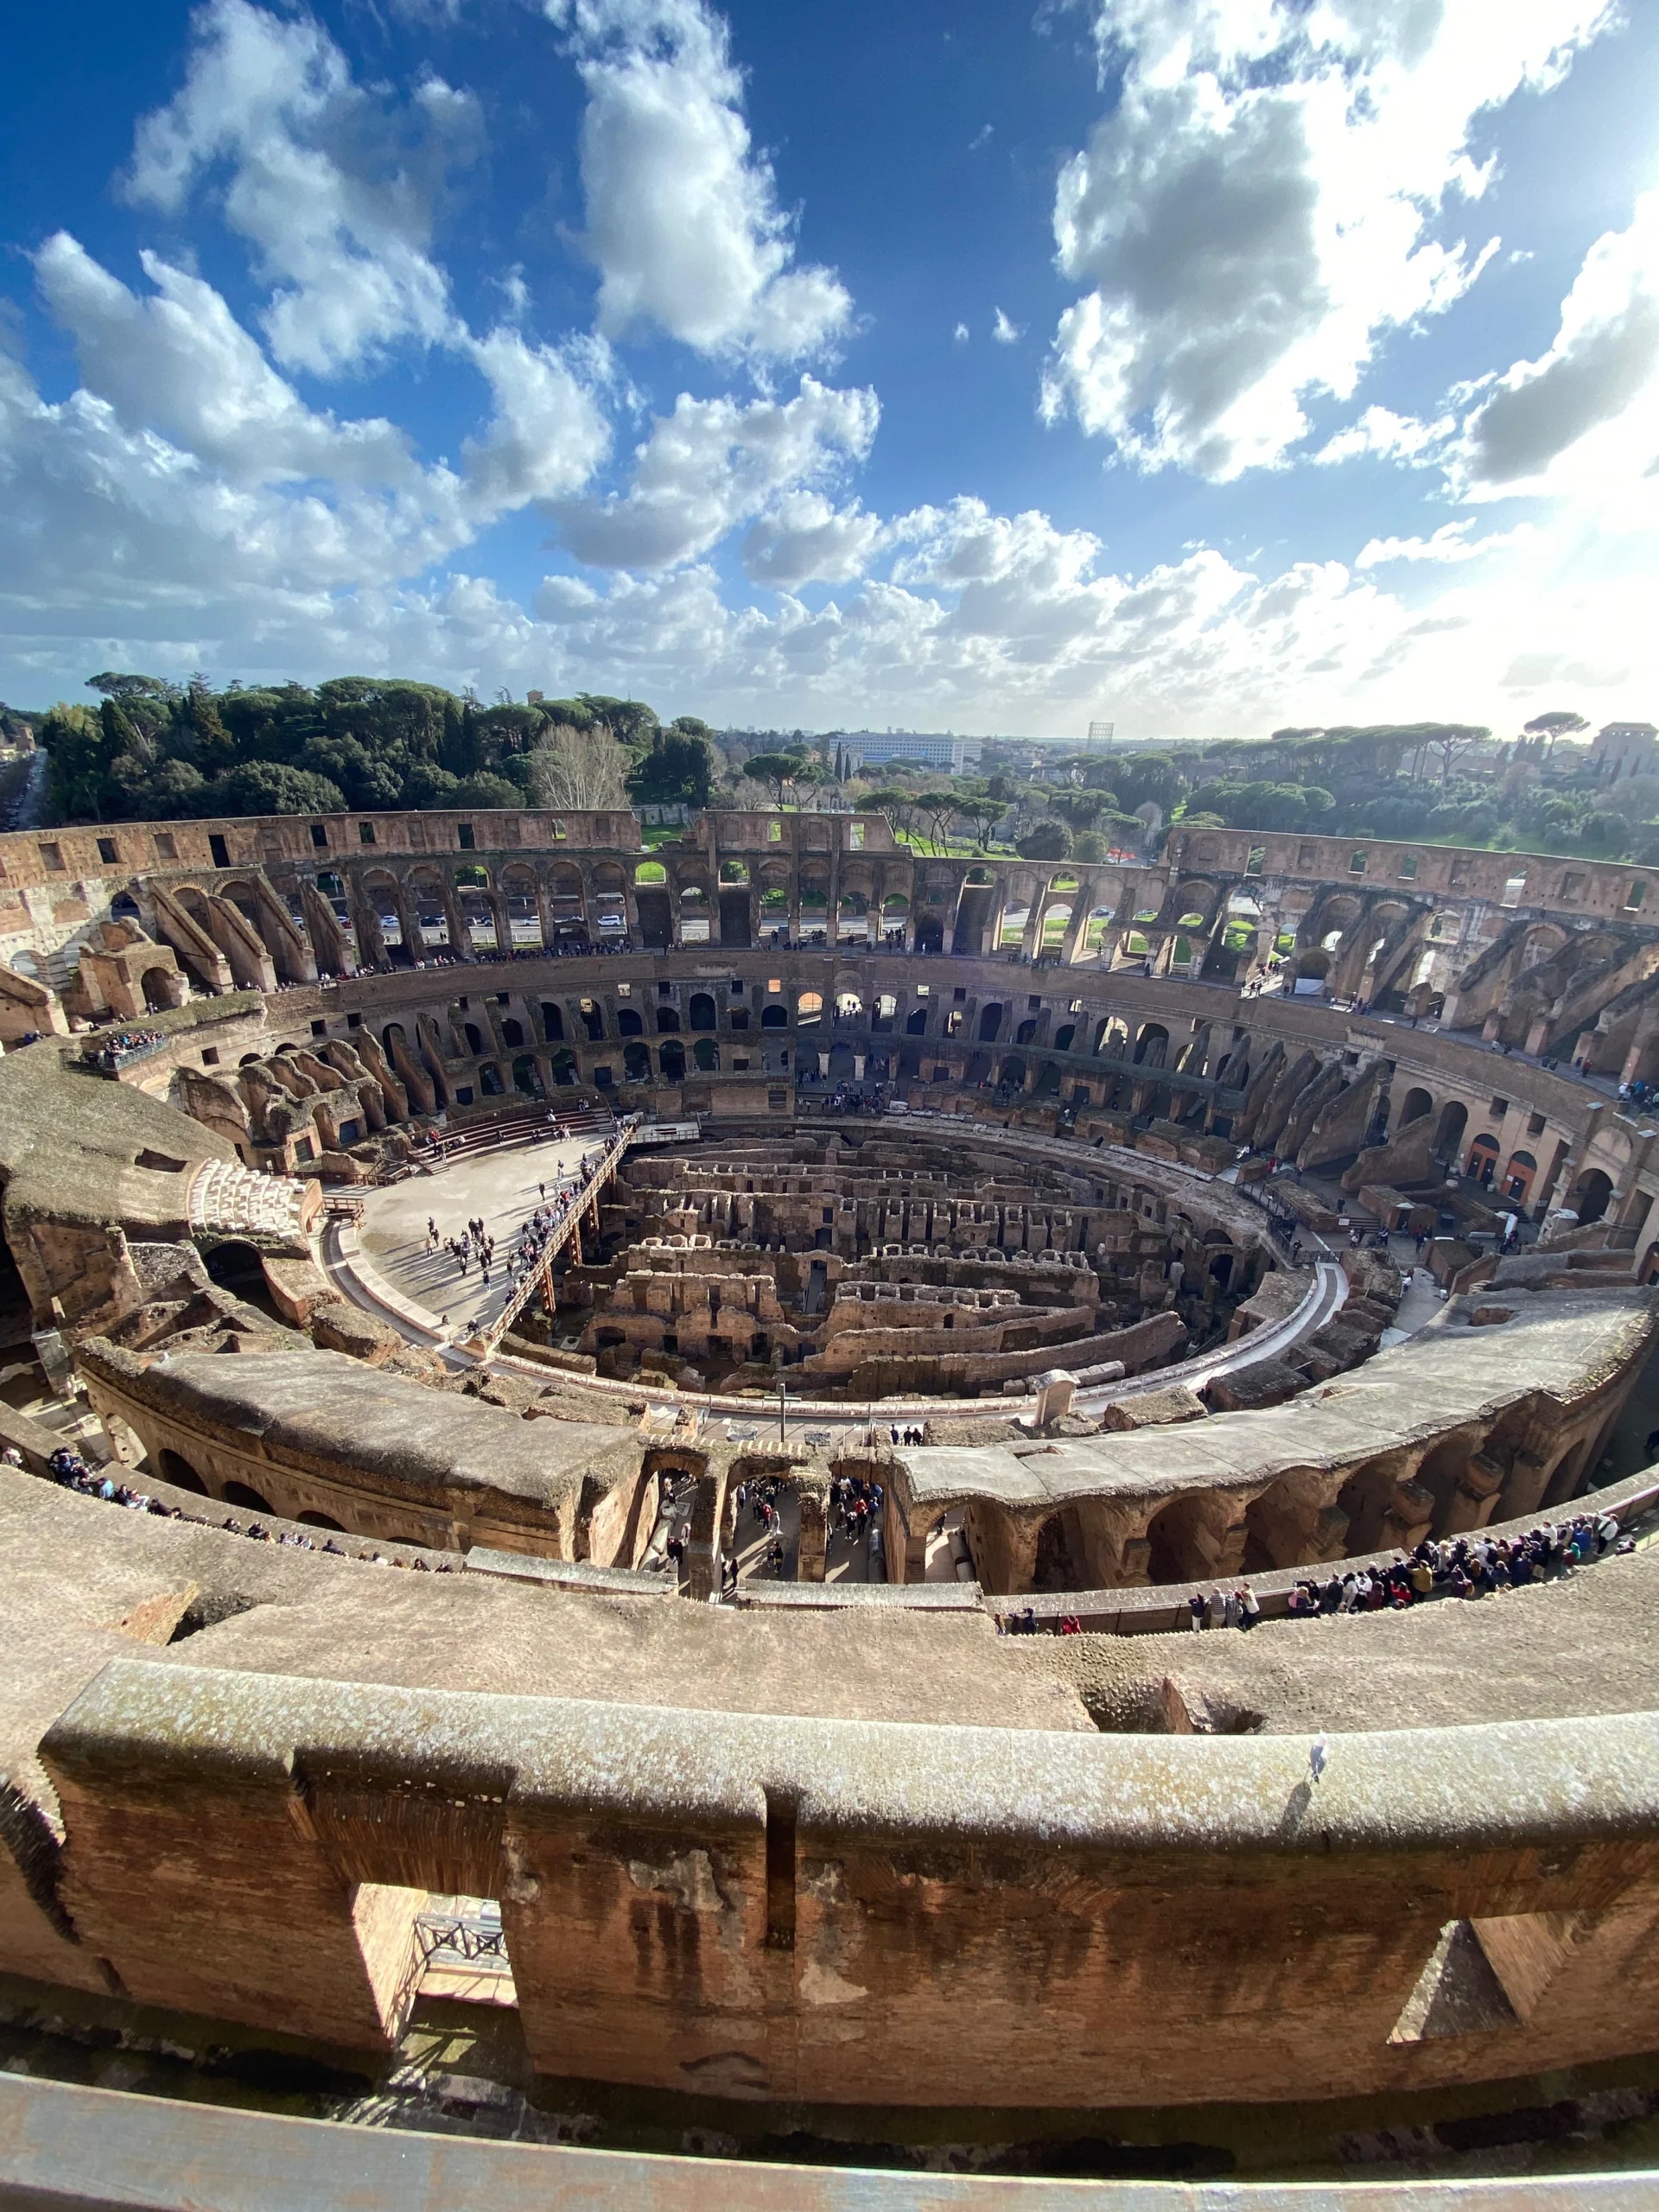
(1022, 1554)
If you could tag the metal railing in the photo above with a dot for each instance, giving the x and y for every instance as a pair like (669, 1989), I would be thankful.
(478, 1943)
(489, 1334)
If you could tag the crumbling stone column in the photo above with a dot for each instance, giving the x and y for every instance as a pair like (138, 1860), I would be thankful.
(810, 1549)
(703, 1545)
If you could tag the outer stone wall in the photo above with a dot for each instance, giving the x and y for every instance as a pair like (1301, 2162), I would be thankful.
(850, 1912)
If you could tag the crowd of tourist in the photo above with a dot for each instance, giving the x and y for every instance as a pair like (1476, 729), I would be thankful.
(855, 1507)
(493, 956)
(70, 1471)
(544, 1224)
(121, 1045)
(851, 1098)
(1475, 1566)
(474, 1242)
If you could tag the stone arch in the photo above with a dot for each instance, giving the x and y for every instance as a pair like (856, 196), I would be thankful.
(705, 1055)
(521, 898)
(630, 1022)
(567, 904)
(610, 901)
(382, 896)
(1414, 1106)
(1061, 1554)
(1592, 1195)
(172, 1467)
(429, 893)
(1366, 1497)
(312, 1519)
(701, 1012)
(155, 983)
(1481, 1164)
(1518, 1176)
(1175, 1549)
(672, 1059)
(247, 1498)
(636, 1061)
(1151, 1046)
(236, 1266)
(696, 913)
(991, 1021)
(1448, 1131)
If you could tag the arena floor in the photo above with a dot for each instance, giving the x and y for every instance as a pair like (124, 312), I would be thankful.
(502, 1189)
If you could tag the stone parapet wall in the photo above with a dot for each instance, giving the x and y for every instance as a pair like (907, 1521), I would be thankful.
(849, 1912)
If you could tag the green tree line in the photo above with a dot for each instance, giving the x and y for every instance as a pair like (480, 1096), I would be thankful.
(159, 750)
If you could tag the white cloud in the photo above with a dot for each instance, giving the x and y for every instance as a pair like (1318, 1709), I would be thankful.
(683, 217)
(177, 361)
(960, 333)
(1259, 208)
(1006, 333)
(1450, 542)
(805, 539)
(547, 433)
(332, 187)
(713, 464)
(1389, 436)
(1583, 420)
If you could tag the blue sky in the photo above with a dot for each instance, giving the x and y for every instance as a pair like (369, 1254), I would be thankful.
(1205, 365)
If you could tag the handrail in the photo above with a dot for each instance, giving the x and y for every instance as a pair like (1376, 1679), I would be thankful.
(489, 1335)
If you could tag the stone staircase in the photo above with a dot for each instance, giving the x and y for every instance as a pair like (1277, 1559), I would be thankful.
(227, 1197)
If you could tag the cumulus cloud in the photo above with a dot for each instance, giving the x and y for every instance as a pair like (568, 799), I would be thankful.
(1584, 416)
(806, 539)
(682, 217)
(1259, 206)
(332, 187)
(547, 435)
(1006, 333)
(716, 463)
(176, 360)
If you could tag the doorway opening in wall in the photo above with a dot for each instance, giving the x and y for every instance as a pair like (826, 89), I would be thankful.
(171, 1468)
(247, 1498)
(236, 1267)
(460, 1951)
(14, 1310)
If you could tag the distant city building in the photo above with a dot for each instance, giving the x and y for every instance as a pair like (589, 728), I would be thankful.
(1623, 750)
(936, 749)
(1100, 736)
